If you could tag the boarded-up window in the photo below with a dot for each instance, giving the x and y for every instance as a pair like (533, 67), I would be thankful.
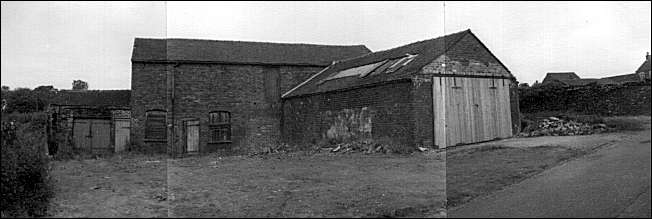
(271, 84)
(220, 126)
(155, 128)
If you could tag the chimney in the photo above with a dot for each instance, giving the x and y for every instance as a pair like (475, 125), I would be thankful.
(647, 56)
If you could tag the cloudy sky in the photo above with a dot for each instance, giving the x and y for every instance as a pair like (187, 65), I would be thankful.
(53, 43)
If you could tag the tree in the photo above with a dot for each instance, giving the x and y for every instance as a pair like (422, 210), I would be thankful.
(79, 85)
(524, 85)
(5, 88)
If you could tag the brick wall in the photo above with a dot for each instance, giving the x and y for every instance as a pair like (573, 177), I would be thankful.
(148, 92)
(251, 93)
(308, 119)
(422, 111)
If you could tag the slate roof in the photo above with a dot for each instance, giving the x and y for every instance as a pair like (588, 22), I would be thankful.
(645, 67)
(241, 52)
(560, 76)
(426, 51)
(620, 79)
(106, 98)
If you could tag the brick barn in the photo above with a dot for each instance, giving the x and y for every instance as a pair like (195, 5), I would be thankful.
(83, 122)
(440, 92)
(205, 95)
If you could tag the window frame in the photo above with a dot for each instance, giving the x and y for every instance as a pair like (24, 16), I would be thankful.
(219, 126)
(148, 135)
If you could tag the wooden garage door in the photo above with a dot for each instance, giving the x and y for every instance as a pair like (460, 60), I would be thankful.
(92, 135)
(469, 110)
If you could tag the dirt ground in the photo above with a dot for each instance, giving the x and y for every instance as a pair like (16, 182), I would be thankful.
(306, 185)
(322, 185)
(132, 186)
(349, 185)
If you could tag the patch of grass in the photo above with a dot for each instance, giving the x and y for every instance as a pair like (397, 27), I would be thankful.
(124, 185)
(318, 185)
(478, 171)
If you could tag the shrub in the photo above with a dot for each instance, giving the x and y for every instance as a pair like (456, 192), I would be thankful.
(26, 188)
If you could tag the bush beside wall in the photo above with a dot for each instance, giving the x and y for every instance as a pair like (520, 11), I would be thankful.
(25, 182)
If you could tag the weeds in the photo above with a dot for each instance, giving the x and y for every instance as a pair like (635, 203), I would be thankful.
(26, 187)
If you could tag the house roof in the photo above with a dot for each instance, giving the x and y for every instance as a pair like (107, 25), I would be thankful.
(374, 67)
(560, 76)
(645, 67)
(113, 98)
(241, 52)
(624, 78)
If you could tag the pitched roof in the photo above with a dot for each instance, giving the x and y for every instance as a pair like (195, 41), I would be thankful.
(624, 78)
(560, 76)
(342, 74)
(645, 67)
(216, 51)
(113, 98)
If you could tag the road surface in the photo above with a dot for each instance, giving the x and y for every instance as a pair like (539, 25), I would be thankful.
(612, 182)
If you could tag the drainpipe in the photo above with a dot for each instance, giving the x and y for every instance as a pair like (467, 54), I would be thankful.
(170, 109)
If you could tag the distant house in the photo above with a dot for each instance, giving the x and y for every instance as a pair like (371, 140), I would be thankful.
(196, 96)
(644, 70)
(440, 92)
(570, 79)
(559, 77)
(89, 121)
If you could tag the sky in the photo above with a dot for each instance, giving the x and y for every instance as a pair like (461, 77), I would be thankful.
(54, 43)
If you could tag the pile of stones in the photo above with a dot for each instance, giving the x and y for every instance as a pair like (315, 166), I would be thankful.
(554, 126)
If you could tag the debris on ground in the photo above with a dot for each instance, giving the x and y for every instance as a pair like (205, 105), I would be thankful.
(357, 146)
(553, 126)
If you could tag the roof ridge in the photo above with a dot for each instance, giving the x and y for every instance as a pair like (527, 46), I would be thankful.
(260, 42)
(406, 45)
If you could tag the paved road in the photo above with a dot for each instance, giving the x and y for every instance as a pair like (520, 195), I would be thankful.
(612, 182)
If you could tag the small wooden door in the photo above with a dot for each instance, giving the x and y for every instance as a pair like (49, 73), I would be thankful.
(92, 135)
(82, 135)
(101, 136)
(192, 136)
(122, 129)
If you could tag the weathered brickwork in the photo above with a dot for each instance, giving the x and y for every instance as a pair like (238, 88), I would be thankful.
(148, 92)
(401, 111)
(251, 93)
(384, 109)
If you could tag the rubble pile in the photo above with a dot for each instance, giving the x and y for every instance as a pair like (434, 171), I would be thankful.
(554, 126)
(367, 147)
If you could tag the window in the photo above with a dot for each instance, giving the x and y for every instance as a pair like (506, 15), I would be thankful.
(356, 71)
(155, 128)
(398, 63)
(219, 126)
